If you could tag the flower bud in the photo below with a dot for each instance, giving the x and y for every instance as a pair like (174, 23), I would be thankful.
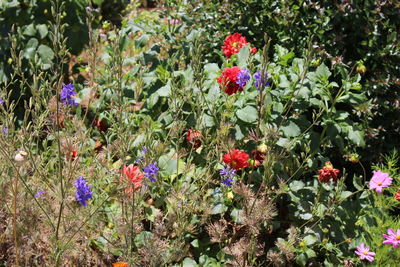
(262, 148)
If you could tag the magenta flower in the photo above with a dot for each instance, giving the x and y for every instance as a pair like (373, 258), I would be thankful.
(379, 181)
(392, 238)
(364, 253)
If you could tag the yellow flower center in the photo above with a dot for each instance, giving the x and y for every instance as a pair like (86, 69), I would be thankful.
(397, 237)
(365, 252)
(379, 183)
(235, 44)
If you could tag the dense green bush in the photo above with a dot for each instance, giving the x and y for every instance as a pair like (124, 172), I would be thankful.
(361, 34)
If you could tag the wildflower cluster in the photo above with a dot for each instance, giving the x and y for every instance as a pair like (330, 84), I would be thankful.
(228, 174)
(67, 95)
(151, 171)
(83, 192)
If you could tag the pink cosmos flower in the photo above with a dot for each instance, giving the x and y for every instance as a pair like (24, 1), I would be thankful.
(393, 238)
(379, 181)
(364, 253)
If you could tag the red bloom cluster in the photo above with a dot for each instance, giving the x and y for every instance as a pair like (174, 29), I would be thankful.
(328, 172)
(236, 159)
(134, 177)
(227, 80)
(397, 196)
(194, 138)
(233, 43)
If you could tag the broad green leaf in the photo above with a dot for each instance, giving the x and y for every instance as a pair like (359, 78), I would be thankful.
(188, 262)
(290, 129)
(247, 114)
(243, 56)
(42, 29)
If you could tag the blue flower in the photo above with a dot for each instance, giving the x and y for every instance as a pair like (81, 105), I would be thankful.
(243, 77)
(151, 171)
(259, 81)
(39, 194)
(68, 94)
(83, 192)
(228, 174)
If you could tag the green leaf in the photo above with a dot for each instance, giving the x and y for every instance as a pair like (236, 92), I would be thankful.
(291, 129)
(188, 262)
(296, 186)
(42, 29)
(165, 90)
(310, 239)
(247, 114)
(243, 56)
(29, 30)
(357, 137)
(168, 165)
(219, 208)
(323, 72)
(46, 56)
(237, 216)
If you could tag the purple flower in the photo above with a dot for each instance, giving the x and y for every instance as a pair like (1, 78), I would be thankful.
(39, 194)
(393, 238)
(379, 181)
(243, 77)
(68, 94)
(144, 150)
(83, 192)
(228, 181)
(1, 101)
(5, 130)
(259, 81)
(151, 171)
(228, 174)
(364, 253)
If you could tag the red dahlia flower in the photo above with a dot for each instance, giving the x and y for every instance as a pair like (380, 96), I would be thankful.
(194, 138)
(233, 43)
(227, 80)
(236, 159)
(328, 172)
(134, 177)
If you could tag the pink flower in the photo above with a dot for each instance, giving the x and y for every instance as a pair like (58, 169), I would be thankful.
(379, 181)
(392, 238)
(364, 253)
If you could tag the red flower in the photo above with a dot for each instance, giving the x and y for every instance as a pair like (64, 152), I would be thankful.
(233, 43)
(236, 159)
(227, 80)
(258, 157)
(397, 196)
(194, 138)
(134, 177)
(328, 172)
(71, 155)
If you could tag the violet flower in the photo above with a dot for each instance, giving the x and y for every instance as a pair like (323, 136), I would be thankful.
(364, 253)
(379, 181)
(393, 238)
